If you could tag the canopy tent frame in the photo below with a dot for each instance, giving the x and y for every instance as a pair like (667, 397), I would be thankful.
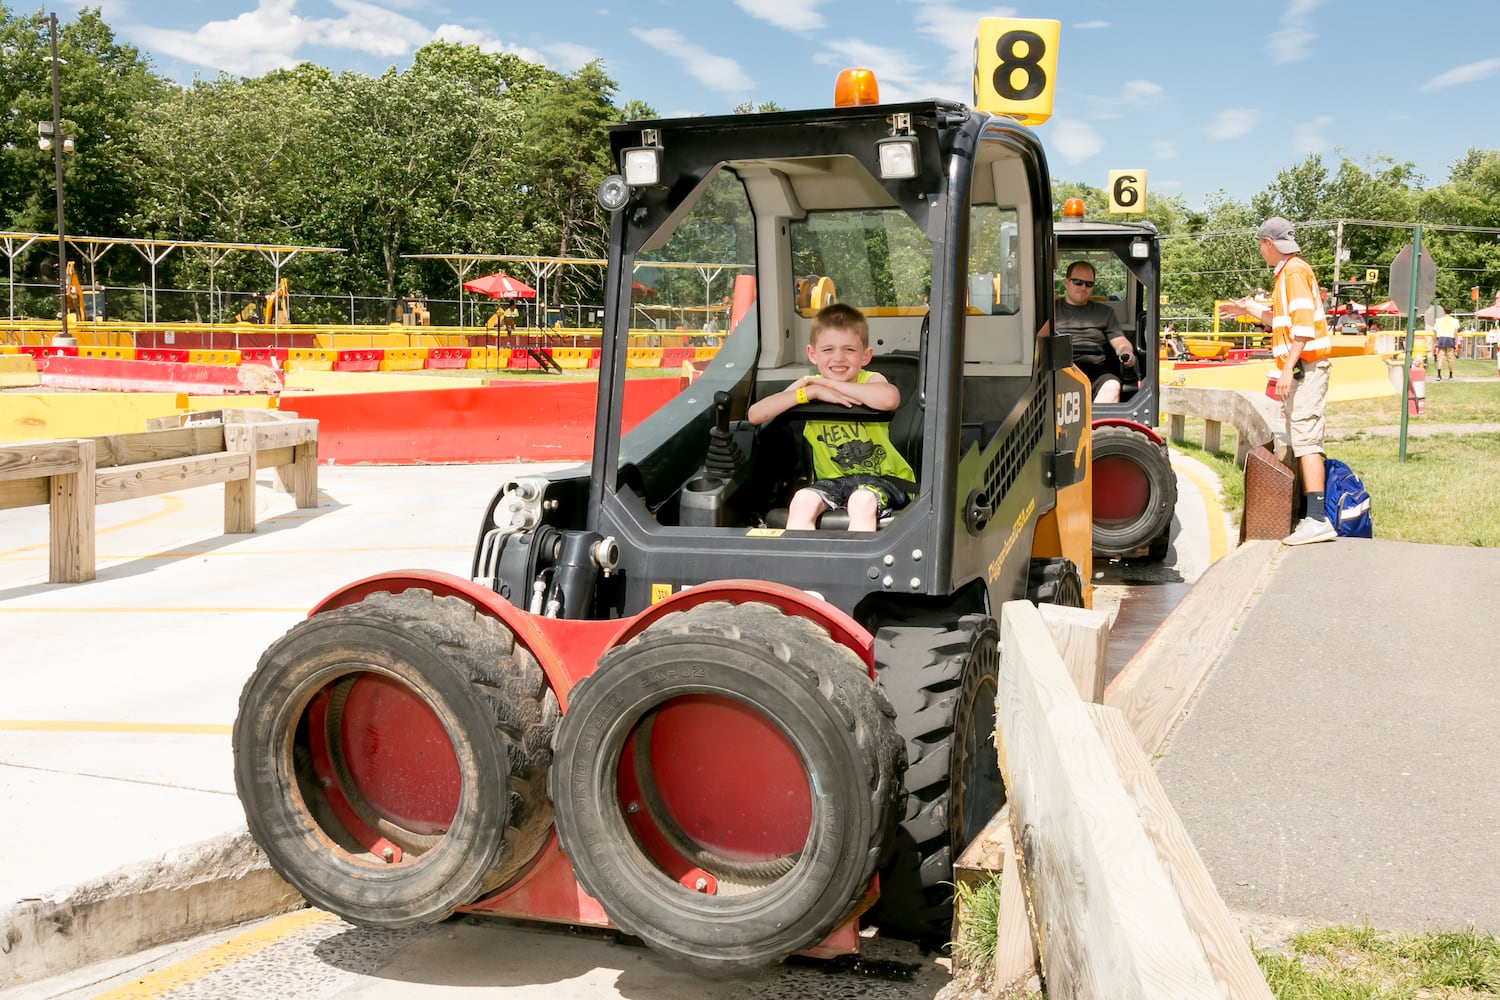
(154, 251)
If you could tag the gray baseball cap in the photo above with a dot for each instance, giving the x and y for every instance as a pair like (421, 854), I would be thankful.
(1279, 232)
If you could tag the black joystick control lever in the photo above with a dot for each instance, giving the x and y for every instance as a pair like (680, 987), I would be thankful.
(724, 456)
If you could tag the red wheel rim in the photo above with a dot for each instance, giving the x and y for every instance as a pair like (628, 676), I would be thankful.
(1122, 490)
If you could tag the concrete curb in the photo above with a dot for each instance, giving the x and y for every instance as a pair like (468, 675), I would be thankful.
(187, 891)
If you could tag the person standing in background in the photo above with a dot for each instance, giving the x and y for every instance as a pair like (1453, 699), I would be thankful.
(1301, 345)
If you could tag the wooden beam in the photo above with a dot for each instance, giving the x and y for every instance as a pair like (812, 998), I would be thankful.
(156, 446)
(1229, 958)
(1082, 638)
(150, 478)
(1015, 948)
(38, 459)
(1155, 687)
(70, 519)
(1108, 922)
(24, 493)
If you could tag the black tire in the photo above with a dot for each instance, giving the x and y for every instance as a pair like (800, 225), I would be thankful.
(1135, 491)
(795, 680)
(465, 816)
(1054, 581)
(941, 675)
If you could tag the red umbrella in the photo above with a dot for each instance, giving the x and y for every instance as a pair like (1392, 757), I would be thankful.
(500, 286)
(1386, 308)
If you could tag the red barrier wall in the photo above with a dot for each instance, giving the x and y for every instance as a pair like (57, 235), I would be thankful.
(502, 422)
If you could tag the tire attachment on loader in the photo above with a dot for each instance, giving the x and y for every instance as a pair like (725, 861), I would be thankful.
(1135, 493)
(391, 757)
(725, 783)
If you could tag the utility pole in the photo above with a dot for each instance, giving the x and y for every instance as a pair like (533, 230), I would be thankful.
(57, 152)
(1338, 253)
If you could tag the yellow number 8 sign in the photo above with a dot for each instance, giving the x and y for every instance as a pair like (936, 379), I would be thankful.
(1015, 61)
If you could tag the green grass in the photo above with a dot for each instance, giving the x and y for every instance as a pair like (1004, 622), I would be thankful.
(1442, 494)
(1360, 963)
(1328, 963)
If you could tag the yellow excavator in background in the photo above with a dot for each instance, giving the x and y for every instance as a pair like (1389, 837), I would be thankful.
(82, 304)
(268, 309)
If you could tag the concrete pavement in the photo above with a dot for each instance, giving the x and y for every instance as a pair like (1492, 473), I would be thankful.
(117, 696)
(1350, 780)
(1339, 764)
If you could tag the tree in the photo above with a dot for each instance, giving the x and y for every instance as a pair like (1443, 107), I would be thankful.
(561, 156)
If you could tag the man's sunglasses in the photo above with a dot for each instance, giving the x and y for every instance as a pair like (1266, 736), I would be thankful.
(1080, 281)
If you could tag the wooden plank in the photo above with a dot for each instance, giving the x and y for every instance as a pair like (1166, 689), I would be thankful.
(1154, 688)
(1211, 434)
(149, 478)
(1176, 426)
(1015, 946)
(239, 498)
(1108, 922)
(155, 446)
(70, 517)
(25, 493)
(260, 437)
(304, 476)
(38, 459)
(1082, 638)
(1230, 960)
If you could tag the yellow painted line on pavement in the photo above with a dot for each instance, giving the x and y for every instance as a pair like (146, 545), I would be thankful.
(1218, 542)
(220, 956)
(169, 505)
(78, 726)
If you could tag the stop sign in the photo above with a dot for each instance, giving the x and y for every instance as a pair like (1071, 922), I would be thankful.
(1400, 288)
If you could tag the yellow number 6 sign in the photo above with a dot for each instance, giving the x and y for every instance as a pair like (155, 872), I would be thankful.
(1015, 61)
(1127, 190)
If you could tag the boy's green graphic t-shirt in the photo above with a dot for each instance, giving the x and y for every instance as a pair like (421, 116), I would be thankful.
(854, 448)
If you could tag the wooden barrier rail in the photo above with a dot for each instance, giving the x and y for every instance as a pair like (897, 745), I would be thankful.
(72, 476)
(1256, 419)
(1261, 449)
(1110, 890)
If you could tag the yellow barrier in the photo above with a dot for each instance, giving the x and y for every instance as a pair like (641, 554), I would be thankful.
(1356, 377)
(199, 357)
(10, 349)
(643, 357)
(24, 416)
(311, 359)
(704, 353)
(18, 370)
(114, 353)
(489, 357)
(572, 357)
(404, 359)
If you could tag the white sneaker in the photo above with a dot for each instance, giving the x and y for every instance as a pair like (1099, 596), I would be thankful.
(1309, 531)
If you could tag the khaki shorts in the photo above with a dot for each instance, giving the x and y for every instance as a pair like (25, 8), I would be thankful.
(1304, 407)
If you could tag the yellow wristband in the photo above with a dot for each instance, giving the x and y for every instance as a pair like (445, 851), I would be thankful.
(802, 394)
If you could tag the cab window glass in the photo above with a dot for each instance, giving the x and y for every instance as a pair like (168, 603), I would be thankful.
(873, 259)
(994, 263)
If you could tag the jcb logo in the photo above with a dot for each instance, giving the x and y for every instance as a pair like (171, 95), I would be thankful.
(1069, 409)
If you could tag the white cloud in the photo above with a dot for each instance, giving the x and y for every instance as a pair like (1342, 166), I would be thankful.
(793, 15)
(715, 72)
(1312, 136)
(1293, 40)
(568, 56)
(1090, 25)
(1467, 73)
(953, 29)
(1074, 141)
(1140, 93)
(1164, 149)
(486, 42)
(1232, 124)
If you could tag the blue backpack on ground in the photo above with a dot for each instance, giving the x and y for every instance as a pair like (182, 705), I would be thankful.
(1345, 500)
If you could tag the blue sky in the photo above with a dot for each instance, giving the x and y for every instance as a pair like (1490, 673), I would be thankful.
(1204, 96)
